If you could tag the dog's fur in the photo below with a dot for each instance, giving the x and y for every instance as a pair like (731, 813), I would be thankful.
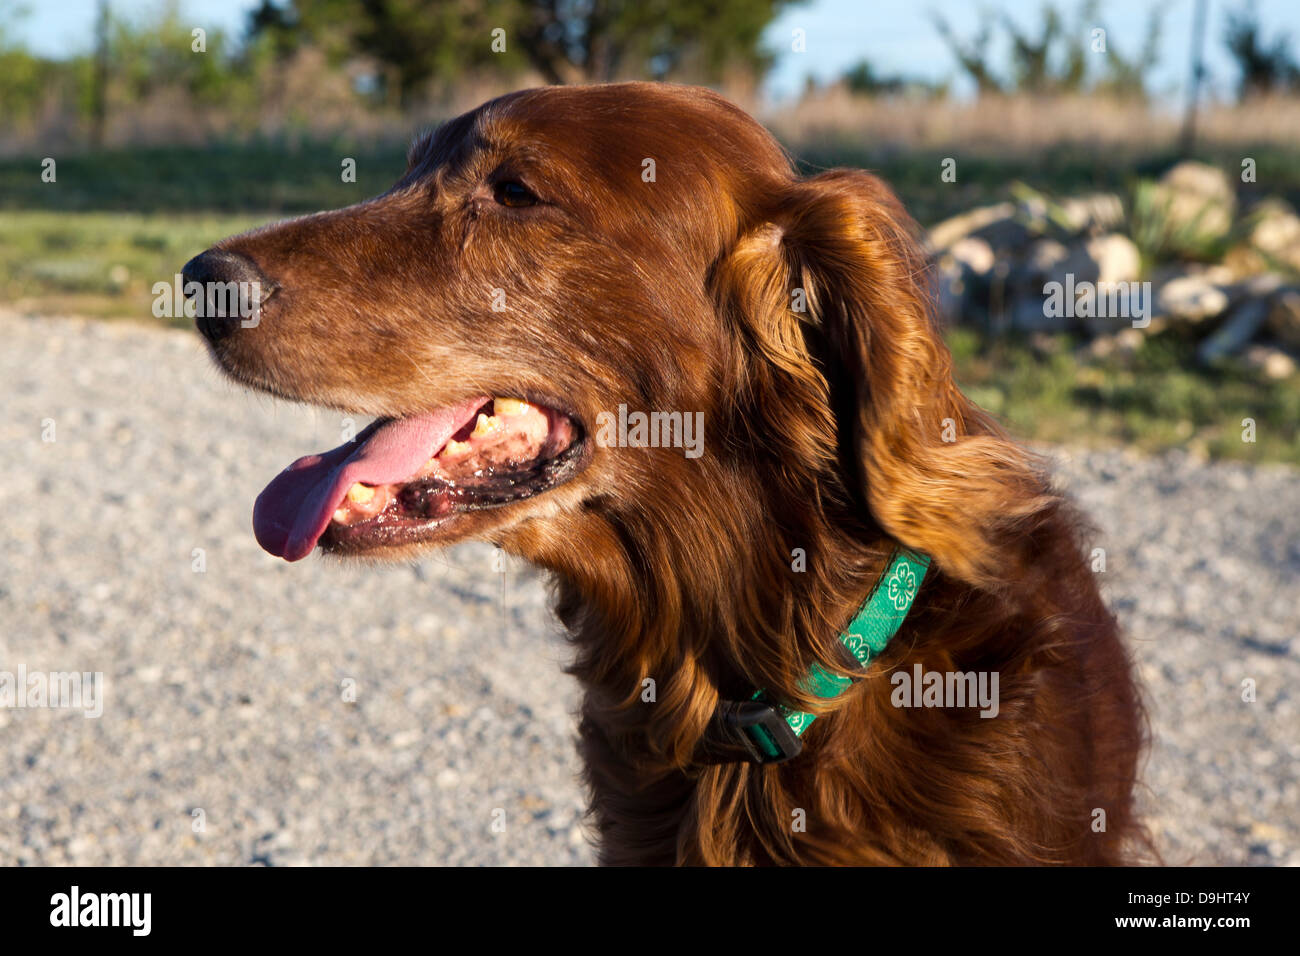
(825, 431)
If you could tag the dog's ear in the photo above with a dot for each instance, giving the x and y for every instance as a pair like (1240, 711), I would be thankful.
(839, 278)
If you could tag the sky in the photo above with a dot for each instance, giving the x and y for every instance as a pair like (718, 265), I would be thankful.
(896, 36)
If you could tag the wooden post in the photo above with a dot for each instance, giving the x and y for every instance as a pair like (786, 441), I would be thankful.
(1198, 74)
(99, 81)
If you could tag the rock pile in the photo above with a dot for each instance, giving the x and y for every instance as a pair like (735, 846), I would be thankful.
(1178, 257)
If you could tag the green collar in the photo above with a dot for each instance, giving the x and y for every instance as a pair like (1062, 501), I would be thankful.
(770, 738)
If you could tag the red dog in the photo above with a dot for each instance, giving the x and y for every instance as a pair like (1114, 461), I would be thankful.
(563, 282)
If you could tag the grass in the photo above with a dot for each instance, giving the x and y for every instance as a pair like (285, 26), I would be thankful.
(1152, 399)
(95, 241)
(100, 264)
(252, 177)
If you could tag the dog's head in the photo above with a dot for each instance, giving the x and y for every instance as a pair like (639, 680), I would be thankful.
(561, 262)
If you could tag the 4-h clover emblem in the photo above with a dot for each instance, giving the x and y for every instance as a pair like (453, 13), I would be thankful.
(858, 647)
(797, 720)
(902, 587)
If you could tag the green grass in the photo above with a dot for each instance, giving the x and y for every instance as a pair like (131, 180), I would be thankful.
(284, 178)
(1062, 171)
(95, 241)
(260, 177)
(112, 223)
(1154, 399)
(101, 264)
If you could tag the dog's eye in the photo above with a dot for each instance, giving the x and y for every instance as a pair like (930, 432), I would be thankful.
(514, 195)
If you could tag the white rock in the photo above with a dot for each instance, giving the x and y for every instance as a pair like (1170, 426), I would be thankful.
(995, 224)
(975, 255)
(1191, 298)
(1198, 197)
(1117, 258)
(1272, 361)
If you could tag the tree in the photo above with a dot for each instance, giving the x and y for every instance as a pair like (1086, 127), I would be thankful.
(861, 79)
(971, 55)
(571, 41)
(1264, 69)
(1126, 76)
(1055, 58)
(566, 41)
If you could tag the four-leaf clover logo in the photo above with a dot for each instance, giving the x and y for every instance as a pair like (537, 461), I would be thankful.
(902, 587)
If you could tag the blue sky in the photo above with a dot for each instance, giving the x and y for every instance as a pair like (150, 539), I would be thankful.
(895, 35)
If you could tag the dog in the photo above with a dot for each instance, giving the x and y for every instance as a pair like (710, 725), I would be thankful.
(769, 633)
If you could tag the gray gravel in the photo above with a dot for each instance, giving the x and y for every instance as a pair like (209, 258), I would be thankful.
(226, 690)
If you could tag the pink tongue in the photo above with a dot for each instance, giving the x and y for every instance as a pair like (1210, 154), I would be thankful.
(293, 511)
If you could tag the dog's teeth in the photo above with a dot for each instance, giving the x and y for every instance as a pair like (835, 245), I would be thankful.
(455, 449)
(360, 493)
(486, 425)
(342, 515)
(508, 406)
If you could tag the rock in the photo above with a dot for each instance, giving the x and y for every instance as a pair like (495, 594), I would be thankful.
(973, 255)
(1284, 317)
(962, 270)
(1046, 260)
(1028, 314)
(1276, 234)
(943, 235)
(1117, 258)
(1197, 197)
(1216, 274)
(1103, 259)
(1237, 330)
(1090, 281)
(1116, 264)
(1040, 262)
(1272, 361)
(1191, 298)
(1030, 277)
(998, 225)
(952, 290)
(1254, 287)
(1098, 212)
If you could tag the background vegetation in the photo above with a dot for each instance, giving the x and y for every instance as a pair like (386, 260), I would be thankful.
(161, 151)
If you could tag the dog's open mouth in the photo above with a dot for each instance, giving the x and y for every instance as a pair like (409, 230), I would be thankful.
(400, 479)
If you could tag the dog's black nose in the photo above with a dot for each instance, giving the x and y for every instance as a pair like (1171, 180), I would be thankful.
(232, 289)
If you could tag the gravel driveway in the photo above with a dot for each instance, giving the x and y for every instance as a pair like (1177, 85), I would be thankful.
(257, 712)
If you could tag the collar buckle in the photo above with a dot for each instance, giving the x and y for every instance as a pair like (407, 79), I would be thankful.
(758, 728)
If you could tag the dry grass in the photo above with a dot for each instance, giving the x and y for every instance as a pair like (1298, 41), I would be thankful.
(1022, 123)
(307, 99)
(302, 100)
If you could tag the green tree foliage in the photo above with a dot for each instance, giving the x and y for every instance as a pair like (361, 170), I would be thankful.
(144, 60)
(971, 55)
(862, 79)
(566, 41)
(1031, 69)
(600, 40)
(1057, 56)
(1265, 68)
(24, 79)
